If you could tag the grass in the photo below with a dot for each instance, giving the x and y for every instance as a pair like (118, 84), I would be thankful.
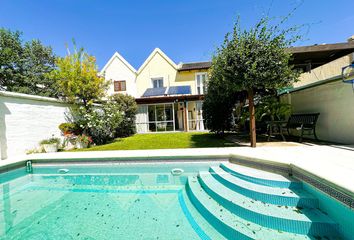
(164, 141)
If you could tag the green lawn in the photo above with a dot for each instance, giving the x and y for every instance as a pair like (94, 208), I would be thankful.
(165, 140)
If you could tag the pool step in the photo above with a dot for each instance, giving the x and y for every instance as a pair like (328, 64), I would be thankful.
(284, 218)
(260, 177)
(279, 196)
(229, 224)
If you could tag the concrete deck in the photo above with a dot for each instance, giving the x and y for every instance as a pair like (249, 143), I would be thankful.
(333, 164)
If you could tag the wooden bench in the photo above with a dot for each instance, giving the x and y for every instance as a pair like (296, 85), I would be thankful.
(305, 123)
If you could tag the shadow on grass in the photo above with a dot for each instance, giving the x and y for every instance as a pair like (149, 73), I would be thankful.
(211, 140)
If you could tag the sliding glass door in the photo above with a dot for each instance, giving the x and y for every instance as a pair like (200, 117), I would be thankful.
(161, 117)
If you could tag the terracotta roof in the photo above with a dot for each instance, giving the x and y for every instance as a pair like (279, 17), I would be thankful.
(194, 66)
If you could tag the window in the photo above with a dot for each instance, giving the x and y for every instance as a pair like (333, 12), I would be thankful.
(161, 117)
(157, 82)
(120, 86)
(201, 80)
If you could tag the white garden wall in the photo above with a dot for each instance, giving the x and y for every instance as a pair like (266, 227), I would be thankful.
(335, 103)
(322, 90)
(25, 120)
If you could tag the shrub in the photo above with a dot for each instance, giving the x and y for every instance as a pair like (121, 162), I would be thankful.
(218, 105)
(84, 139)
(127, 105)
(113, 118)
(270, 106)
(98, 122)
(69, 128)
(50, 141)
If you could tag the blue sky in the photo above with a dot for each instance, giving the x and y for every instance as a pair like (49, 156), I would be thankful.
(185, 30)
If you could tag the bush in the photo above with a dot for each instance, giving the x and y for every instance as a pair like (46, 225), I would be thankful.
(98, 122)
(113, 118)
(127, 105)
(218, 106)
(69, 128)
(84, 139)
(50, 141)
(272, 108)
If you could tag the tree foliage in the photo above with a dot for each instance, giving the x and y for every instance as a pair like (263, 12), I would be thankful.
(253, 60)
(24, 65)
(218, 105)
(128, 106)
(112, 118)
(78, 79)
(271, 107)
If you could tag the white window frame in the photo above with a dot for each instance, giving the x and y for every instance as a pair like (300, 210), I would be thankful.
(148, 121)
(157, 79)
(202, 87)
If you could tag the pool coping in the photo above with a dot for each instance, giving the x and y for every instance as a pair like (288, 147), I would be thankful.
(241, 156)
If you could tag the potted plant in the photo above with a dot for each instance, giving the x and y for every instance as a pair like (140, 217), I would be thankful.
(50, 144)
(69, 128)
(83, 141)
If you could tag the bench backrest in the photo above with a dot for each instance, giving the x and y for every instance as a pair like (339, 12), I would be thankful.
(305, 118)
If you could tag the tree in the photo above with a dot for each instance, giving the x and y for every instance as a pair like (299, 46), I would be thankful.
(23, 66)
(254, 60)
(218, 105)
(78, 79)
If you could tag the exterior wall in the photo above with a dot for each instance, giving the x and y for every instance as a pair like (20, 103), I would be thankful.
(188, 78)
(330, 70)
(25, 120)
(117, 69)
(157, 66)
(334, 102)
(319, 91)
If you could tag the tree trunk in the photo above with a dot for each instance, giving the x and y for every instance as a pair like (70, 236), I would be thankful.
(252, 117)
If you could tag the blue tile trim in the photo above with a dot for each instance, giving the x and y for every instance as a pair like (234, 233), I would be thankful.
(190, 218)
(338, 195)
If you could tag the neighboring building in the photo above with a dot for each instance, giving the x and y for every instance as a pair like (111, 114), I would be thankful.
(322, 90)
(169, 96)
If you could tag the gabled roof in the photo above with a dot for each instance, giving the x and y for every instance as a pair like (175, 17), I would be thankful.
(152, 54)
(125, 62)
(194, 66)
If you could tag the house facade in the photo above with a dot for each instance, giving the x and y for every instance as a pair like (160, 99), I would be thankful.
(169, 95)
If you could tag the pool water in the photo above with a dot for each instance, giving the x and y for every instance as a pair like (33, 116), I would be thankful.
(208, 200)
(99, 202)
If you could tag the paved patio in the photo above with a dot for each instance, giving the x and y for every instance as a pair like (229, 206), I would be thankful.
(334, 164)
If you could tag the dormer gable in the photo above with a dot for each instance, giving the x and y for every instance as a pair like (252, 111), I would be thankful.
(152, 55)
(121, 74)
(117, 56)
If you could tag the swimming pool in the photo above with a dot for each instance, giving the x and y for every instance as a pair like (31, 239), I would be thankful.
(200, 200)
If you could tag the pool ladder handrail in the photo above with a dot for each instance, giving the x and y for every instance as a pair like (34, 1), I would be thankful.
(29, 168)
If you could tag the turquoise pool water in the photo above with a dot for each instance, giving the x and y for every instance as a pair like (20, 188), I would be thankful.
(142, 201)
(146, 201)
